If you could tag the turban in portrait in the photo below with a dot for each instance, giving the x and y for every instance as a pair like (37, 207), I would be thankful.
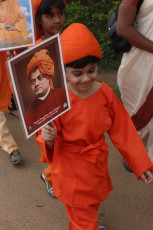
(78, 42)
(44, 63)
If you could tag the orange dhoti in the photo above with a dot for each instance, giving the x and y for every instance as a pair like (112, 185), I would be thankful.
(83, 218)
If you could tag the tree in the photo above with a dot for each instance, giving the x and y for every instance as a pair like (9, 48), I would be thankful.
(94, 14)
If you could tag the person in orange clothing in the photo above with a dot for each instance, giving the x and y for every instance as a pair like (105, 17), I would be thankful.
(74, 144)
(7, 142)
(50, 19)
(12, 20)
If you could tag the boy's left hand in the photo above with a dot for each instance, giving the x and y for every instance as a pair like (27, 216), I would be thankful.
(147, 177)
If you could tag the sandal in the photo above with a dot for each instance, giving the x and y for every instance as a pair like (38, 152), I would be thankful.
(15, 157)
(100, 226)
(127, 167)
(48, 185)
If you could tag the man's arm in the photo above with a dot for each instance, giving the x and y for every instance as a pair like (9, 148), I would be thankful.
(126, 30)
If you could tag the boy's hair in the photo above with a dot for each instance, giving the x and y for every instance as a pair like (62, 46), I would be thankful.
(44, 8)
(81, 63)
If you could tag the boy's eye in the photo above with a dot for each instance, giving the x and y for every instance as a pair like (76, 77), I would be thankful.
(50, 16)
(91, 71)
(78, 74)
(61, 13)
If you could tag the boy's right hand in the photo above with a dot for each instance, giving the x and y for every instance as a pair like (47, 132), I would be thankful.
(147, 177)
(48, 133)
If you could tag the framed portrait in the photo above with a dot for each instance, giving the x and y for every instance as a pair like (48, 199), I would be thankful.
(39, 84)
(16, 24)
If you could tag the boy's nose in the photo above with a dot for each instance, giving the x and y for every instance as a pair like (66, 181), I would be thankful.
(85, 77)
(56, 19)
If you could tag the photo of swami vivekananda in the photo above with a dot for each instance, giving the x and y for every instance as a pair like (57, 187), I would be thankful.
(39, 83)
(49, 101)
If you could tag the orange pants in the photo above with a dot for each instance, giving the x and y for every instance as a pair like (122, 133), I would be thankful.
(83, 218)
(47, 174)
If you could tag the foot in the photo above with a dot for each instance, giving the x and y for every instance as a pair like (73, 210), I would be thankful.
(100, 224)
(15, 157)
(127, 167)
(48, 185)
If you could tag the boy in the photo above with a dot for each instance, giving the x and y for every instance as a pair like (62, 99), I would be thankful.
(75, 145)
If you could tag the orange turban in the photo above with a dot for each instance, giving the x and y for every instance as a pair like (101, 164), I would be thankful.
(43, 61)
(78, 42)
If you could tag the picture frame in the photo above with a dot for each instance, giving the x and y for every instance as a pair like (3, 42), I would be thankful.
(27, 97)
(16, 24)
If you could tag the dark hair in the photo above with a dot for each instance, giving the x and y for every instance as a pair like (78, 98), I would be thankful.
(45, 7)
(81, 63)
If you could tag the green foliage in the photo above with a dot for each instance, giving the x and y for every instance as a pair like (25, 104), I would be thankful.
(94, 14)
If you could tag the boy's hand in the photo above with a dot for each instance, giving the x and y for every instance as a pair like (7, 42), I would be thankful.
(147, 177)
(48, 133)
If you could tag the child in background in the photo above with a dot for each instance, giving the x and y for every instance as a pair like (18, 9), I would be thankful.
(74, 144)
(50, 19)
(7, 142)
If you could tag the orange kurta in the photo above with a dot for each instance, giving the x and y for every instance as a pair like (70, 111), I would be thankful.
(79, 163)
(12, 20)
(5, 91)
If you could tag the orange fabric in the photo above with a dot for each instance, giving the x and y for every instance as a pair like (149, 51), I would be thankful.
(78, 42)
(5, 90)
(45, 64)
(79, 168)
(82, 218)
(11, 16)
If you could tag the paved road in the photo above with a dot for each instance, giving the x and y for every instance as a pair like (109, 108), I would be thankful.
(26, 205)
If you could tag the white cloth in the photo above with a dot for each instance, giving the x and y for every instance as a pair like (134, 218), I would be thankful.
(135, 75)
(7, 142)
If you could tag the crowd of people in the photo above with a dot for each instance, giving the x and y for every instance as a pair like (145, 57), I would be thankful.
(74, 145)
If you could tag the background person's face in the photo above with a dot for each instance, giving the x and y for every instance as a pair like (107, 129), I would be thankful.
(53, 24)
(39, 84)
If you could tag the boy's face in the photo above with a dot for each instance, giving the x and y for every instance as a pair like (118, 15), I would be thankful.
(53, 23)
(82, 79)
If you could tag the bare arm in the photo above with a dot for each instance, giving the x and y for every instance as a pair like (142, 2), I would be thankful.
(126, 30)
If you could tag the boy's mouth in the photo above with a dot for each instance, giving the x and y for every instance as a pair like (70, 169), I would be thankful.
(85, 85)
